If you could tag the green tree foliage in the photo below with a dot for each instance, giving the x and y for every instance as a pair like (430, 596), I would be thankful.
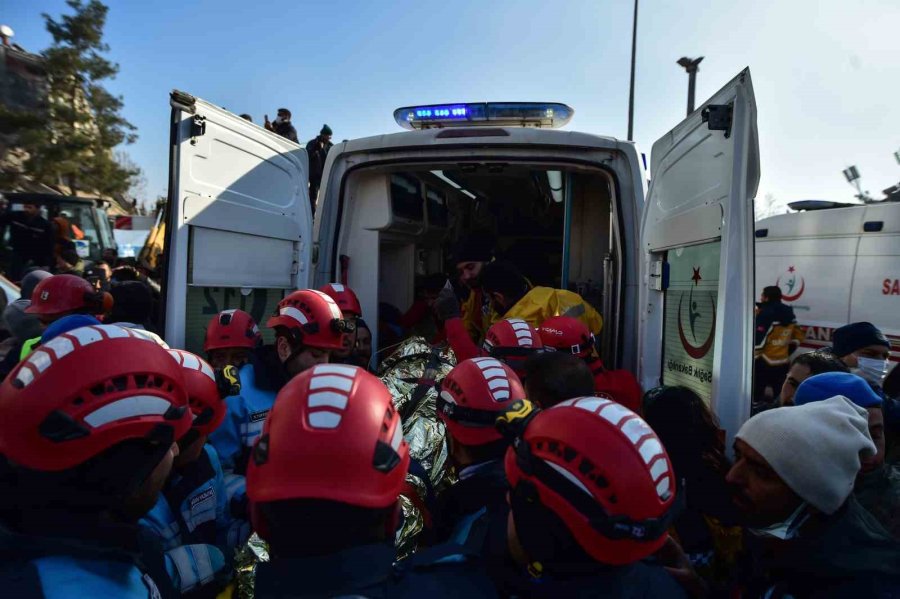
(83, 120)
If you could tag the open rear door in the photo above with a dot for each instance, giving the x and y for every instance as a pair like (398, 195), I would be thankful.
(697, 236)
(239, 219)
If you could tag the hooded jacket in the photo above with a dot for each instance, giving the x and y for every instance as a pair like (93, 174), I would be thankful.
(847, 554)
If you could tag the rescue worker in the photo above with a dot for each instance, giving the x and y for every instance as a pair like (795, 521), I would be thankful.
(567, 334)
(61, 295)
(231, 336)
(199, 519)
(471, 397)
(324, 483)
(793, 479)
(352, 310)
(308, 326)
(553, 377)
(592, 494)
(777, 336)
(878, 484)
(803, 367)
(87, 445)
(471, 255)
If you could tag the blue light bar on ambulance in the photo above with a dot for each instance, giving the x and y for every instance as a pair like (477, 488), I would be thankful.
(513, 114)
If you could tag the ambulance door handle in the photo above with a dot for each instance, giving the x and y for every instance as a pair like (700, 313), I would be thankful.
(873, 226)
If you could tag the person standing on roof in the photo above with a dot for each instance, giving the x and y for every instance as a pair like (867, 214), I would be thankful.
(471, 397)
(86, 447)
(231, 336)
(570, 335)
(793, 479)
(308, 327)
(777, 336)
(877, 485)
(592, 495)
(282, 125)
(317, 150)
(31, 239)
(324, 483)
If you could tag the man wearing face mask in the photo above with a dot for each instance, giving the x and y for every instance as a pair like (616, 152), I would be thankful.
(282, 125)
(864, 349)
(792, 478)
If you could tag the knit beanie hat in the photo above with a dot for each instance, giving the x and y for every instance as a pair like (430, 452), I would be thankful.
(813, 448)
(476, 247)
(30, 281)
(326, 130)
(857, 335)
(829, 384)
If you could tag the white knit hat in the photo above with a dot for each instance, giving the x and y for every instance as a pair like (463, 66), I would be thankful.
(814, 448)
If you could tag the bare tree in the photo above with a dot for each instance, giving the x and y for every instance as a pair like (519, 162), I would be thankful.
(768, 206)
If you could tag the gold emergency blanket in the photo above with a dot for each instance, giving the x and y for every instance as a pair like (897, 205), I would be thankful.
(410, 374)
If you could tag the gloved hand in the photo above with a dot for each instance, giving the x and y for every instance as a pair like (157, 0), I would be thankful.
(446, 306)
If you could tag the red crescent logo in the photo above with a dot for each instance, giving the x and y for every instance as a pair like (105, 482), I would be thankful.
(694, 351)
(796, 296)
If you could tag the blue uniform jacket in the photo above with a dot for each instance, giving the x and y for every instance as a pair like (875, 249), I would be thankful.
(83, 560)
(244, 420)
(200, 518)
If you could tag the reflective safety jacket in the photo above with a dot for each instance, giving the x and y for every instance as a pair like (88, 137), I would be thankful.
(541, 303)
(200, 518)
(80, 559)
(777, 333)
(243, 421)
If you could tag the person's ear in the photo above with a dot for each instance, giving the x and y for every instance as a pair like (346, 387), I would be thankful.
(283, 348)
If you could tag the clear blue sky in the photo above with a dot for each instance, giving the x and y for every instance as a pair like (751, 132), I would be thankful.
(826, 73)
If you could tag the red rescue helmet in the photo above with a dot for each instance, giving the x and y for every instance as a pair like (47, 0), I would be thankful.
(333, 434)
(345, 297)
(471, 397)
(512, 340)
(313, 319)
(61, 294)
(599, 468)
(207, 407)
(87, 390)
(564, 333)
(231, 328)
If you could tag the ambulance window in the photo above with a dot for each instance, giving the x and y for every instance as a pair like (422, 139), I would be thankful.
(690, 317)
(406, 198)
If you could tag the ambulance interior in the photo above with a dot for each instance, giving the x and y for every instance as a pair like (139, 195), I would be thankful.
(403, 224)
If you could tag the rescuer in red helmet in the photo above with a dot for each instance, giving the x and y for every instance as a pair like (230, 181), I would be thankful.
(231, 336)
(567, 334)
(352, 310)
(324, 481)
(88, 430)
(200, 516)
(471, 397)
(308, 327)
(592, 494)
(61, 295)
(512, 341)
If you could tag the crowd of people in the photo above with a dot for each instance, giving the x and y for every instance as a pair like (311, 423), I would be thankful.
(136, 470)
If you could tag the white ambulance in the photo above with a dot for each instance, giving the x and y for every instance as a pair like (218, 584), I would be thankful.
(835, 264)
(571, 209)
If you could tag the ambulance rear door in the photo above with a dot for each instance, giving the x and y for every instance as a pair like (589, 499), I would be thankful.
(239, 222)
(696, 328)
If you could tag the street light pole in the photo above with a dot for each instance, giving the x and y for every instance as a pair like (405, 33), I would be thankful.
(631, 89)
(691, 66)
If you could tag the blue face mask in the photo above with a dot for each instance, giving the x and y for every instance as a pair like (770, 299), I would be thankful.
(786, 529)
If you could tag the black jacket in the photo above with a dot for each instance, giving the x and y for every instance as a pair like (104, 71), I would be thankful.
(317, 155)
(480, 486)
(846, 555)
(369, 571)
(31, 239)
(771, 313)
(285, 130)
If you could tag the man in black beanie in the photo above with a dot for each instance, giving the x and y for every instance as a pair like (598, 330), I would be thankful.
(470, 256)
(864, 349)
(317, 149)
